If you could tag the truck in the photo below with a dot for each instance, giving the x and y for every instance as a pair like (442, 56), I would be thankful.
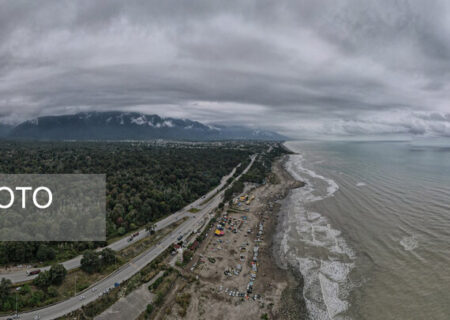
(33, 272)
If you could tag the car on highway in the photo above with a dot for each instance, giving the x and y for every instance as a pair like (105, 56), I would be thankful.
(33, 272)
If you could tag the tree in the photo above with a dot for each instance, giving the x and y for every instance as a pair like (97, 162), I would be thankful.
(37, 297)
(108, 256)
(54, 276)
(43, 280)
(57, 274)
(25, 289)
(121, 231)
(5, 286)
(45, 253)
(90, 262)
(143, 183)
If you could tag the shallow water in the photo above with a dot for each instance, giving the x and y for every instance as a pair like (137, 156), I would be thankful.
(370, 231)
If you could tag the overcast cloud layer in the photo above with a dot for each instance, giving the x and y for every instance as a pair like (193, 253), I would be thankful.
(303, 68)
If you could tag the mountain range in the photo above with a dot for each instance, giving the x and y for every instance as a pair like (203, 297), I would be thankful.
(116, 125)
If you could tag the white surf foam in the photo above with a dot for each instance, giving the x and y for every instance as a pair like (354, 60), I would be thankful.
(409, 243)
(313, 215)
(330, 292)
(300, 171)
(335, 270)
(325, 261)
(360, 184)
(321, 253)
(323, 287)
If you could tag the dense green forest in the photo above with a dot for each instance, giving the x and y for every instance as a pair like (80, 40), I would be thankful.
(133, 171)
(145, 181)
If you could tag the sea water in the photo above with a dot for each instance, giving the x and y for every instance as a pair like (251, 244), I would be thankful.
(370, 231)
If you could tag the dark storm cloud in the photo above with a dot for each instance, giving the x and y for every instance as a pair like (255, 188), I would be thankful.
(300, 67)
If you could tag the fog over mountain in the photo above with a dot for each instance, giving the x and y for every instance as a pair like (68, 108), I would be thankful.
(130, 126)
(301, 68)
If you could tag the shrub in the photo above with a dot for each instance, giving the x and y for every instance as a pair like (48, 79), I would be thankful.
(90, 262)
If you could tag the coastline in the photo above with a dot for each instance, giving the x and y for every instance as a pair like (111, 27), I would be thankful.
(288, 150)
(204, 288)
(292, 304)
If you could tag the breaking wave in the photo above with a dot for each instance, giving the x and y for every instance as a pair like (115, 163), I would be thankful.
(315, 247)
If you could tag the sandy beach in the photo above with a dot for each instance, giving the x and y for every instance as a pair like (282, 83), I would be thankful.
(216, 281)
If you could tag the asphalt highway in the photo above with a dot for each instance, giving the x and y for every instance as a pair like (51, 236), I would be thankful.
(21, 276)
(126, 271)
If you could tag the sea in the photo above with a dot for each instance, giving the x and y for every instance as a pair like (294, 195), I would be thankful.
(370, 231)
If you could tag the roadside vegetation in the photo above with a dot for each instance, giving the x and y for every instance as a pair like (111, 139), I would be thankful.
(58, 284)
(165, 291)
(145, 182)
(145, 275)
(259, 173)
(157, 174)
(160, 288)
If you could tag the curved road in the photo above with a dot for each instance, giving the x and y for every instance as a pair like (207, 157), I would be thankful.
(21, 276)
(129, 269)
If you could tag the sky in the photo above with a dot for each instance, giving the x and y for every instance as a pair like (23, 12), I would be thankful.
(302, 68)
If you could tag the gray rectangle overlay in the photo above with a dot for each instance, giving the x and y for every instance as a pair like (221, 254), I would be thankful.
(56, 207)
